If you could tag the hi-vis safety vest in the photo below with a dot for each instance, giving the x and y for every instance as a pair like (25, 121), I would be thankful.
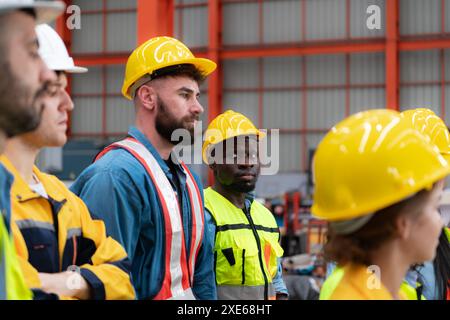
(179, 269)
(336, 276)
(12, 283)
(447, 233)
(246, 249)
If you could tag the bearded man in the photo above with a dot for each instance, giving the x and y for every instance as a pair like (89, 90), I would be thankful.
(150, 201)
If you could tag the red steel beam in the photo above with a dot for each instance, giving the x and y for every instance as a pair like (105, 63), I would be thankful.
(215, 79)
(334, 48)
(103, 59)
(303, 50)
(391, 64)
(154, 18)
(424, 44)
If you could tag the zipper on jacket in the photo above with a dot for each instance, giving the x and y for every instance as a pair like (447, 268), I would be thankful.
(243, 266)
(258, 243)
(56, 208)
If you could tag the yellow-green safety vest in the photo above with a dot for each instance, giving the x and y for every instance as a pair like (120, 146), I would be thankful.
(12, 283)
(246, 248)
(336, 276)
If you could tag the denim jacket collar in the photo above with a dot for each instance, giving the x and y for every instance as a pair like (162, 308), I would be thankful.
(138, 135)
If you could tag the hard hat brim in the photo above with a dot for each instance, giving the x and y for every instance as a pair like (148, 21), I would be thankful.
(381, 203)
(46, 11)
(205, 66)
(76, 69)
(260, 134)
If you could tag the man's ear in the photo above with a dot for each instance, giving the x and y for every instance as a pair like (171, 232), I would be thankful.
(147, 96)
(403, 225)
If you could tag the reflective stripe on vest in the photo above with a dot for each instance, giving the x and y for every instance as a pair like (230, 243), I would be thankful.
(3, 239)
(239, 261)
(225, 292)
(331, 283)
(176, 284)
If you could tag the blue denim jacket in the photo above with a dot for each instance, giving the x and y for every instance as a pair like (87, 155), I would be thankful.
(117, 190)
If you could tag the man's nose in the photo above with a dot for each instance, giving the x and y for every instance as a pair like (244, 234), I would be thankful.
(197, 107)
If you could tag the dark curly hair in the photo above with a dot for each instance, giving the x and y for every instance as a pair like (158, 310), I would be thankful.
(179, 70)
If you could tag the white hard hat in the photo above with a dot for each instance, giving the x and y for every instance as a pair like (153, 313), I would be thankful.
(53, 51)
(46, 11)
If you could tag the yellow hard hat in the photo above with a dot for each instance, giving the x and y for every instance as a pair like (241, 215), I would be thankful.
(158, 53)
(369, 161)
(427, 122)
(225, 126)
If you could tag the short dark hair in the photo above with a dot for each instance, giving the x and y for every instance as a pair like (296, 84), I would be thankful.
(187, 70)
(358, 246)
(29, 11)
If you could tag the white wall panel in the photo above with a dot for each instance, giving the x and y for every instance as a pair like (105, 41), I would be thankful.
(195, 26)
(290, 152)
(367, 98)
(367, 68)
(282, 71)
(240, 23)
(282, 109)
(325, 69)
(447, 106)
(88, 39)
(121, 32)
(87, 115)
(242, 73)
(89, 82)
(88, 4)
(114, 76)
(420, 96)
(243, 102)
(282, 21)
(419, 66)
(119, 115)
(325, 19)
(325, 108)
(447, 15)
(120, 4)
(419, 16)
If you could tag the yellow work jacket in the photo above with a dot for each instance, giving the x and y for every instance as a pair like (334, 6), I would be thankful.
(353, 282)
(58, 234)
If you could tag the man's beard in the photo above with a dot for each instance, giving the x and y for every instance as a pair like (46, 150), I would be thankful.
(242, 187)
(167, 123)
(17, 114)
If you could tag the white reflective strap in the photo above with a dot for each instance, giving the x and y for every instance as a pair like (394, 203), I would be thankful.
(230, 292)
(171, 202)
(185, 295)
(197, 209)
